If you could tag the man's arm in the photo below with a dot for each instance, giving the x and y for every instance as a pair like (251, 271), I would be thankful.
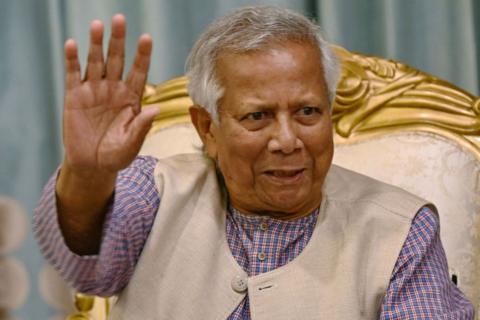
(420, 287)
(127, 224)
(103, 129)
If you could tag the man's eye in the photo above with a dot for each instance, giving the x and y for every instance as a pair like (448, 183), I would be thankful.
(308, 111)
(258, 115)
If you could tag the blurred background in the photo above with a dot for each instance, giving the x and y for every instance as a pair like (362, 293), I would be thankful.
(441, 37)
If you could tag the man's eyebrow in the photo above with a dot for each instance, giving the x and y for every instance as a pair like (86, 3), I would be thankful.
(307, 100)
(257, 106)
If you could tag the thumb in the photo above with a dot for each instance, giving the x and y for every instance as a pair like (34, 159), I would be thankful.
(142, 123)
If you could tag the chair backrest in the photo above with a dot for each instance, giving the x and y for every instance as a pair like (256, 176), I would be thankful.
(392, 122)
(408, 128)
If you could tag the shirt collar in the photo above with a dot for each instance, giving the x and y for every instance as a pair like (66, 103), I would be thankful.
(251, 221)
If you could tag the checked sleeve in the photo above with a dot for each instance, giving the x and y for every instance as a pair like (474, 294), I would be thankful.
(420, 287)
(126, 228)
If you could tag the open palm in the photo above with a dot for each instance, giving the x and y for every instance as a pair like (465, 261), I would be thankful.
(104, 125)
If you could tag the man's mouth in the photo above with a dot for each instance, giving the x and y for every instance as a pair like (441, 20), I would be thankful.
(284, 173)
(285, 176)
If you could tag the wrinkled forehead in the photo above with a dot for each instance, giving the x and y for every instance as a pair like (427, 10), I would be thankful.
(231, 56)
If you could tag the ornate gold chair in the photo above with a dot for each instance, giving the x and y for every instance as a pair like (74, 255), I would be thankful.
(392, 122)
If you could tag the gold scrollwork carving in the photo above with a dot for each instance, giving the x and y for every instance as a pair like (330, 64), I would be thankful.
(90, 307)
(172, 98)
(84, 304)
(378, 96)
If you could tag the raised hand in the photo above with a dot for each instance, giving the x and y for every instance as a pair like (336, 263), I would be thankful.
(104, 126)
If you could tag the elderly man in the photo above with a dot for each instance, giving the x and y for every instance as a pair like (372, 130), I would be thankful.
(260, 227)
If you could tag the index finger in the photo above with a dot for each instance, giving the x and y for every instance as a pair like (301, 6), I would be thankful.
(138, 73)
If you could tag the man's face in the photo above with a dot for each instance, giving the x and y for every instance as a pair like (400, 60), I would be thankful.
(274, 141)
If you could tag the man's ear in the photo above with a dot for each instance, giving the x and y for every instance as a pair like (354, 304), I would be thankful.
(206, 129)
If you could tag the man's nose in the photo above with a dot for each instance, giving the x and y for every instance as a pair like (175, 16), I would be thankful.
(284, 137)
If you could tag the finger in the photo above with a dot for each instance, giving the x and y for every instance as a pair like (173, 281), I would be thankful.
(142, 124)
(72, 66)
(138, 73)
(95, 66)
(116, 49)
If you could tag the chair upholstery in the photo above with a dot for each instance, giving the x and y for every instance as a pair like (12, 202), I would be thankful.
(394, 123)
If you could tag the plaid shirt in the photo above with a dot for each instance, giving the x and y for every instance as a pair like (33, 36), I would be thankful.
(419, 286)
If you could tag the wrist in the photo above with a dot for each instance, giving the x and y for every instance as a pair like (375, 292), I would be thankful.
(79, 185)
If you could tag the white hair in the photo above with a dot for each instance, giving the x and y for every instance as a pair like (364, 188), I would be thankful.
(251, 29)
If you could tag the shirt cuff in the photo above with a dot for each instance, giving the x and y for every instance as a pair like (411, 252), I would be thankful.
(71, 266)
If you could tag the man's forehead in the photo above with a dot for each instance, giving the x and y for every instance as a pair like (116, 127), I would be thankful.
(287, 71)
(230, 57)
(265, 47)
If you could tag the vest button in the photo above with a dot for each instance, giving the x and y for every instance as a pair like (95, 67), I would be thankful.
(239, 284)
